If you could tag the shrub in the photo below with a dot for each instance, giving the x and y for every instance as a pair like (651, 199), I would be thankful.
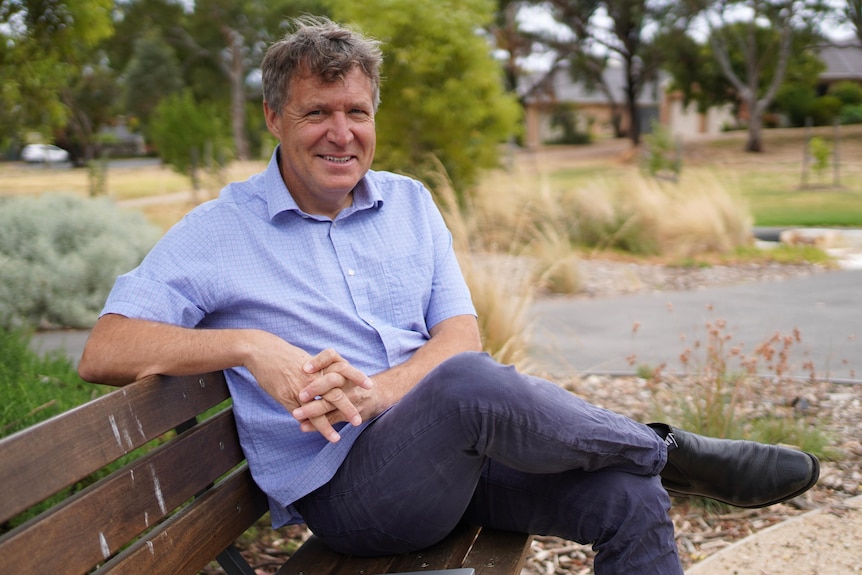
(60, 255)
(850, 93)
(851, 114)
(821, 154)
(661, 157)
(824, 110)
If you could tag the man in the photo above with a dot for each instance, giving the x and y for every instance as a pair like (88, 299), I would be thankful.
(331, 297)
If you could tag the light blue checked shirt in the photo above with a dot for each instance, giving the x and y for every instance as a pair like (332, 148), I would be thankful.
(369, 284)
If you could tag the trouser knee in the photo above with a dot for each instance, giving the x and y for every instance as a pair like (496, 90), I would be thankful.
(470, 375)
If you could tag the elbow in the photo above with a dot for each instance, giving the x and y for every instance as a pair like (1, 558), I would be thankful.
(92, 371)
(94, 367)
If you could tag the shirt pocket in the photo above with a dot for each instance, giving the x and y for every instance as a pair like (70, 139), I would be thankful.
(409, 281)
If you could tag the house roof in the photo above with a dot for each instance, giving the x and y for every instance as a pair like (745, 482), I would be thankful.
(843, 60)
(561, 87)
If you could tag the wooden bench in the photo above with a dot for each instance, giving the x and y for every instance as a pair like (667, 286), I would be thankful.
(180, 504)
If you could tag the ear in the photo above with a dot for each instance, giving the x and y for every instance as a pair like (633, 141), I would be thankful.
(273, 121)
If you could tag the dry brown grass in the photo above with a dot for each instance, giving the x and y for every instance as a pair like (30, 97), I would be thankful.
(122, 183)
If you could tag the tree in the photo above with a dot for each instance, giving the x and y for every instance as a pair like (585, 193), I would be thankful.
(188, 134)
(231, 36)
(152, 73)
(614, 29)
(90, 101)
(786, 18)
(511, 39)
(43, 48)
(853, 13)
(135, 20)
(442, 94)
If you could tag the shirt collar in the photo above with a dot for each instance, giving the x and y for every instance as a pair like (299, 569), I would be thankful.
(278, 198)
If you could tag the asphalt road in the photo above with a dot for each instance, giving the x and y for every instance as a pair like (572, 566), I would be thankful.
(598, 335)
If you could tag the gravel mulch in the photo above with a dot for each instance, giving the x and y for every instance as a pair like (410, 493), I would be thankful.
(834, 410)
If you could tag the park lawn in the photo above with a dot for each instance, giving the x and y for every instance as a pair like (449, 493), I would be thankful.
(771, 182)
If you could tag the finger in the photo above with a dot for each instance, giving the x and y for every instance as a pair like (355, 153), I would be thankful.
(341, 375)
(324, 427)
(321, 361)
(335, 404)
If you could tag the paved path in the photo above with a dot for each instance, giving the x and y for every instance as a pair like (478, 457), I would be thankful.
(598, 335)
(821, 542)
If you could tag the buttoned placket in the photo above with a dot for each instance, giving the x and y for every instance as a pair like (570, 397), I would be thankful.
(343, 248)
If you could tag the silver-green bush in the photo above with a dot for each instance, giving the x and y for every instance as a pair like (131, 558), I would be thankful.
(60, 254)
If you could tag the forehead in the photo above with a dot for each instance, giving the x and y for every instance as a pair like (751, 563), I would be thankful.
(353, 85)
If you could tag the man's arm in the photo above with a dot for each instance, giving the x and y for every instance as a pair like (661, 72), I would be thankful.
(121, 350)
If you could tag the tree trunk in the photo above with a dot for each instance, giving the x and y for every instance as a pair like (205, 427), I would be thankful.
(755, 126)
(634, 114)
(236, 73)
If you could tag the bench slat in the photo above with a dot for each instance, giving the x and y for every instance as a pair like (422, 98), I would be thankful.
(497, 552)
(315, 558)
(48, 457)
(95, 523)
(447, 554)
(188, 542)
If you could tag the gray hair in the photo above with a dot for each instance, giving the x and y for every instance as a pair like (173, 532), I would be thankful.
(318, 48)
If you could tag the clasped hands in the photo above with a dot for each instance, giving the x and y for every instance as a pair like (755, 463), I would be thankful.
(320, 390)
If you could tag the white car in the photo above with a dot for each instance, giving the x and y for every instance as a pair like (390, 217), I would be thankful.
(44, 153)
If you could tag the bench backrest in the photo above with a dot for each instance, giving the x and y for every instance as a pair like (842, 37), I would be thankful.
(170, 509)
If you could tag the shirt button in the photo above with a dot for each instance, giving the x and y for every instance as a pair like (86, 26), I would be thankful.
(351, 272)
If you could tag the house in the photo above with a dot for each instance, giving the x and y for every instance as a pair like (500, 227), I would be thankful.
(544, 97)
(843, 61)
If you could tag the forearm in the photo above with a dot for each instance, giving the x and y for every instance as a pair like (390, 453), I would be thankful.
(449, 338)
(121, 350)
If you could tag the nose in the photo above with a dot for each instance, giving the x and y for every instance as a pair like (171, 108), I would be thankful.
(339, 132)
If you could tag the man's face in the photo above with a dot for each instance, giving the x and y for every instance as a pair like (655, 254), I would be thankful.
(327, 140)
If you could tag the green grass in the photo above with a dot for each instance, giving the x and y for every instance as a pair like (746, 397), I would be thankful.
(771, 181)
(35, 387)
(825, 208)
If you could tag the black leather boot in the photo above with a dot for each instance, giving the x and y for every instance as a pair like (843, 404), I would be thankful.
(739, 473)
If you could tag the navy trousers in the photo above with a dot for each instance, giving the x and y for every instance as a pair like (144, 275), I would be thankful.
(479, 442)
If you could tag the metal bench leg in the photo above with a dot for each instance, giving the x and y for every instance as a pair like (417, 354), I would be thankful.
(233, 563)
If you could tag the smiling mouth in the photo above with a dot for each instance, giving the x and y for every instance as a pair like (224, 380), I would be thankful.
(337, 160)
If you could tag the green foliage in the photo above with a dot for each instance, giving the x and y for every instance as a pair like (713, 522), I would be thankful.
(821, 153)
(824, 110)
(850, 93)
(442, 93)
(851, 114)
(795, 101)
(188, 134)
(153, 73)
(661, 156)
(60, 255)
(806, 435)
(565, 119)
(35, 387)
(42, 50)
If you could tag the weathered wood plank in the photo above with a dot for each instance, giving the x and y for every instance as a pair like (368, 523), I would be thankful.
(447, 554)
(315, 558)
(187, 542)
(496, 552)
(89, 527)
(46, 458)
